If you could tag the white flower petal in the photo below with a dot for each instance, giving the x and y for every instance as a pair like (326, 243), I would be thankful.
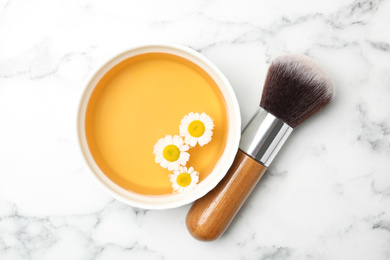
(204, 140)
(173, 166)
(168, 139)
(184, 148)
(184, 156)
(183, 129)
(186, 120)
(183, 159)
(159, 145)
(164, 163)
(180, 142)
(193, 141)
(208, 132)
(209, 125)
(172, 179)
(176, 140)
(158, 158)
(195, 178)
(202, 117)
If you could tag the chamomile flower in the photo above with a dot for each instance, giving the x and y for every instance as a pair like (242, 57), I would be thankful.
(196, 128)
(171, 152)
(184, 180)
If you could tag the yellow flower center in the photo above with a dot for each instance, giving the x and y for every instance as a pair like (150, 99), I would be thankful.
(196, 128)
(171, 153)
(183, 179)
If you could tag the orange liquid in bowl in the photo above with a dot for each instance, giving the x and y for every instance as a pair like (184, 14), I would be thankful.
(141, 100)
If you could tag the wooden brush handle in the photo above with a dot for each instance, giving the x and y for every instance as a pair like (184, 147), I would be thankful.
(210, 215)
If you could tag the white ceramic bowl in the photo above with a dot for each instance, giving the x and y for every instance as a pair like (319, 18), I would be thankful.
(220, 169)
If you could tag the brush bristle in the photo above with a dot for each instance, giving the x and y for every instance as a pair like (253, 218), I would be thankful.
(295, 89)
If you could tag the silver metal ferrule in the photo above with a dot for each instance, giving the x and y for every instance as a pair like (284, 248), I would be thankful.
(263, 137)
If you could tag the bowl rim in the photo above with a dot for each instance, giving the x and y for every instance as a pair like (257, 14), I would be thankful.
(222, 165)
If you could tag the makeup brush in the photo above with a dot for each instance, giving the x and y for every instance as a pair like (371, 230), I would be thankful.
(295, 88)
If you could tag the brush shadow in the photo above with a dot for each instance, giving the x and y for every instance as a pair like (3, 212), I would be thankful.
(250, 202)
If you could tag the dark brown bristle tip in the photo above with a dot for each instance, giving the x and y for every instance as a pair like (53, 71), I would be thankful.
(296, 88)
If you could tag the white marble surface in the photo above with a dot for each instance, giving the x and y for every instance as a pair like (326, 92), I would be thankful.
(326, 196)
